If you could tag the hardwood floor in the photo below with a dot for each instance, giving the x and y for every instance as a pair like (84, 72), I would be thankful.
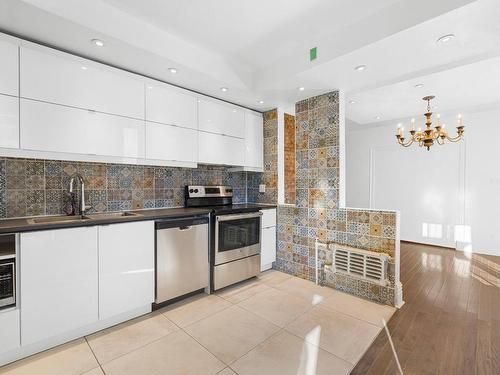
(450, 323)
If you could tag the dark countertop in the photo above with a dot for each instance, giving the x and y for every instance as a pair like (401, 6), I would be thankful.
(25, 224)
(16, 225)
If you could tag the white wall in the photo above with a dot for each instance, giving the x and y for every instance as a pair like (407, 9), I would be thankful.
(447, 196)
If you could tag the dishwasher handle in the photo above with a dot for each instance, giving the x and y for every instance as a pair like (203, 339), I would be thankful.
(181, 223)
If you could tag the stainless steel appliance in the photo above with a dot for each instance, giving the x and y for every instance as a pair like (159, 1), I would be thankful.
(235, 234)
(182, 257)
(7, 270)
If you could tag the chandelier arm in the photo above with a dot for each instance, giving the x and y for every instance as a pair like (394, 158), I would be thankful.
(454, 139)
(407, 144)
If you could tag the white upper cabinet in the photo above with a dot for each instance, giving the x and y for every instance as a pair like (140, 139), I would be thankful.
(9, 121)
(254, 141)
(221, 118)
(126, 267)
(61, 78)
(56, 128)
(220, 149)
(9, 58)
(165, 142)
(169, 105)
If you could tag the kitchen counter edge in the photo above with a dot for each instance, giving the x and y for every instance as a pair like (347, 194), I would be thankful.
(17, 225)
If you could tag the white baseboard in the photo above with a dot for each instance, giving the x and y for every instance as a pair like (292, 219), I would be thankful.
(398, 295)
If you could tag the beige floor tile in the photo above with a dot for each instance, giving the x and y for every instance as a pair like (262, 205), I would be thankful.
(285, 353)
(227, 371)
(96, 371)
(173, 354)
(195, 308)
(359, 308)
(72, 358)
(276, 306)
(231, 333)
(305, 289)
(242, 291)
(123, 338)
(273, 277)
(340, 334)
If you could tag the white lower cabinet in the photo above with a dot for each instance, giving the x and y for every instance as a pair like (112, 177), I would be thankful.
(9, 330)
(268, 239)
(220, 149)
(58, 288)
(9, 121)
(126, 267)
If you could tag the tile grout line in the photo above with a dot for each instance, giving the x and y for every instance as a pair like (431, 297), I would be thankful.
(133, 350)
(90, 347)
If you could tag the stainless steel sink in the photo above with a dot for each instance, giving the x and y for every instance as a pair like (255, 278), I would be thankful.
(112, 215)
(57, 219)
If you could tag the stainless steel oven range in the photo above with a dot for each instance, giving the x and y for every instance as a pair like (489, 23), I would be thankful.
(235, 234)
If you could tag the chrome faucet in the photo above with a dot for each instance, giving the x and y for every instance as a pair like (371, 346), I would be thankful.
(82, 207)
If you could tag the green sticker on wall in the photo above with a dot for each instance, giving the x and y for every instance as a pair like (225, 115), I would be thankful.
(313, 53)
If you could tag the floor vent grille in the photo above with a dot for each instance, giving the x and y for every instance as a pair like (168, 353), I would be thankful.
(362, 264)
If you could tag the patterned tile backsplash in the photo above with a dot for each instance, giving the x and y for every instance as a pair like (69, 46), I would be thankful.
(38, 187)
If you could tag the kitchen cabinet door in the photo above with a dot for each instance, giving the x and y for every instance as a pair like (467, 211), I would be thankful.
(169, 105)
(126, 267)
(56, 128)
(9, 327)
(61, 78)
(254, 141)
(164, 142)
(9, 73)
(221, 118)
(268, 249)
(9, 121)
(58, 286)
(220, 149)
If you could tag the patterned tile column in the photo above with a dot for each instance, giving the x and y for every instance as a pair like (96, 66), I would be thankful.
(316, 213)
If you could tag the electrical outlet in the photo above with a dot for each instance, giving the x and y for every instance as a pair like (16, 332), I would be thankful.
(262, 188)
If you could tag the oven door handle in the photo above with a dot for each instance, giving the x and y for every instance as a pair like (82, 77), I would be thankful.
(238, 216)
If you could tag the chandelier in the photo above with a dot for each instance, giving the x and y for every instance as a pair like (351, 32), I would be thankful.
(427, 137)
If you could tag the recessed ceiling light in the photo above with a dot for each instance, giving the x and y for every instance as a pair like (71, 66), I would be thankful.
(352, 102)
(261, 102)
(446, 38)
(377, 117)
(224, 89)
(419, 85)
(301, 88)
(98, 42)
(172, 70)
(150, 87)
(84, 68)
(360, 68)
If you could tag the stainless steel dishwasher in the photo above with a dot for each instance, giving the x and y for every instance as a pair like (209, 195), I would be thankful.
(182, 259)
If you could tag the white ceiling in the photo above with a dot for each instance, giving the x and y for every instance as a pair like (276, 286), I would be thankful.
(259, 49)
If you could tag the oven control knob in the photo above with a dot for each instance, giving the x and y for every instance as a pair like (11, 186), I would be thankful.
(195, 190)
(191, 190)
